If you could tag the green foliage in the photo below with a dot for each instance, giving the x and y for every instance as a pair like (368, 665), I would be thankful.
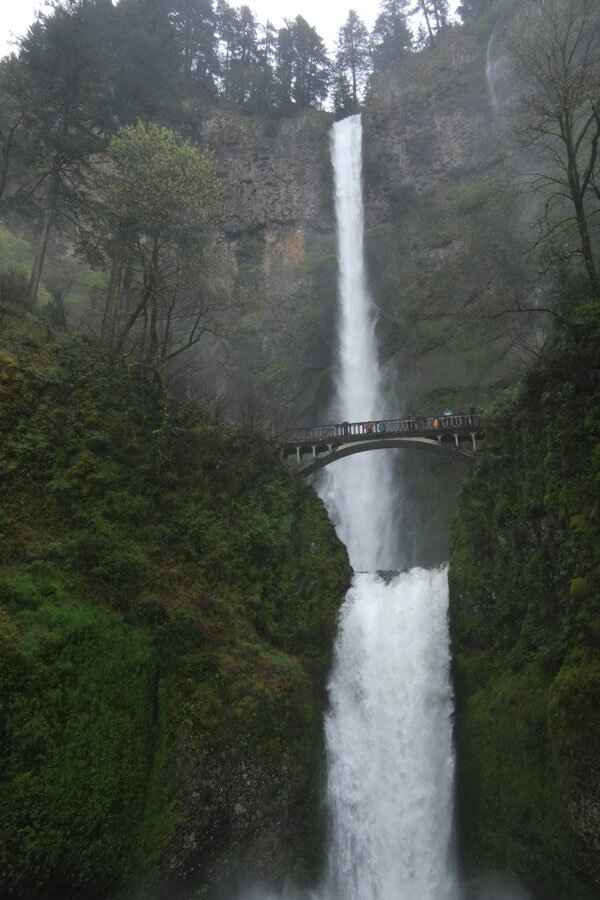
(468, 196)
(76, 744)
(167, 604)
(162, 184)
(525, 612)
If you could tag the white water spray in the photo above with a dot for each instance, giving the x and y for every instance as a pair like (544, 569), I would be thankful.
(388, 736)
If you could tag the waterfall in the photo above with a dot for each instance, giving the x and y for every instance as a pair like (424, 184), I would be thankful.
(358, 491)
(489, 75)
(501, 86)
(388, 731)
(389, 742)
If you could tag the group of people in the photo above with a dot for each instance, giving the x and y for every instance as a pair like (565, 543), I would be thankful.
(465, 418)
(373, 427)
(421, 423)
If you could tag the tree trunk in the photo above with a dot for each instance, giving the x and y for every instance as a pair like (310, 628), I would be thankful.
(577, 195)
(586, 248)
(427, 21)
(40, 253)
(154, 343)
(107, 335)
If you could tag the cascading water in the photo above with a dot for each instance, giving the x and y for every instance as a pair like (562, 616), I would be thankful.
(389, 726)
(361, 487)
(489, 75)
(388, 730)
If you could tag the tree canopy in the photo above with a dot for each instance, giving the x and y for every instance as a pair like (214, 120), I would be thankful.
(156, 203)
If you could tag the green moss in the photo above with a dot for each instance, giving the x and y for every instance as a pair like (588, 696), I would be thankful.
(526, 626)
(579, 589)
(167, 608)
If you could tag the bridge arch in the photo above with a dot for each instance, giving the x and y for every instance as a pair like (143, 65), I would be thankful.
(325, 456)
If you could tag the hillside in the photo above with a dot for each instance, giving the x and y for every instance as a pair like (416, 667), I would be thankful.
(168, 597)
(525, 613)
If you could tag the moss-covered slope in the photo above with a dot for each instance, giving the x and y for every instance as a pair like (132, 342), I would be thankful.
(168, 596)
(525, 609)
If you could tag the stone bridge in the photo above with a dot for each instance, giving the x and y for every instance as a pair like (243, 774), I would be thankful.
(308, 449)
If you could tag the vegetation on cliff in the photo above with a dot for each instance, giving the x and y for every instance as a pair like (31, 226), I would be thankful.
(525, 614)
(168, 596)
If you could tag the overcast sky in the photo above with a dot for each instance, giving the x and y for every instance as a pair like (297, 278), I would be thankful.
(325, 15)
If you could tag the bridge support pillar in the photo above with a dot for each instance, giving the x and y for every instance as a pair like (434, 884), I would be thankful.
(455, 436)
(472, 433)
(298, 460)
(314, 446)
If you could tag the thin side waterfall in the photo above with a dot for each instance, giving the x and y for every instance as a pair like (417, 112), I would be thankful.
(388, 731)
(489, 75)
(500, 84)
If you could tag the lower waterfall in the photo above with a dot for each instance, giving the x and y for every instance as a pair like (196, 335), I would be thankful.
(389, 742)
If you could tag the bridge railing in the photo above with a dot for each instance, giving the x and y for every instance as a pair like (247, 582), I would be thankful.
(379, 428)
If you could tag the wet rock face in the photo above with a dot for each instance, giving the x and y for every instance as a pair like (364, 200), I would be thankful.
(237, 815)
(432, 127)
(275, 171)
(437, 240)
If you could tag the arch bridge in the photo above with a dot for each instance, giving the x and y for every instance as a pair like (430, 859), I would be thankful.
(308, 449)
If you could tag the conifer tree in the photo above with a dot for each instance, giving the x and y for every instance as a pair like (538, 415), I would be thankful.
(303, 69)
(353, 57)
(195, 24)
(391, 38)
(67, 107)
(14, 104)
(435, 14)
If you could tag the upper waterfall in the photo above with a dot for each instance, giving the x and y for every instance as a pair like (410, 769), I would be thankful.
(359, 491)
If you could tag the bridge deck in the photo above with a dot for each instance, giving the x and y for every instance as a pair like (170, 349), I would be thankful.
(312, 448)
(358, 431)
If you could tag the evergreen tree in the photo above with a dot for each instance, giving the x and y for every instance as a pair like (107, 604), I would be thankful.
(245, 63)
(303, 68)
(436, 15)
(265, 97)
(14, 104)
(68, 104)
(353, 57)
(391, 38)
(343, 103)
(195, 23)
(147, 60)
(227, 35)
(284, 68)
